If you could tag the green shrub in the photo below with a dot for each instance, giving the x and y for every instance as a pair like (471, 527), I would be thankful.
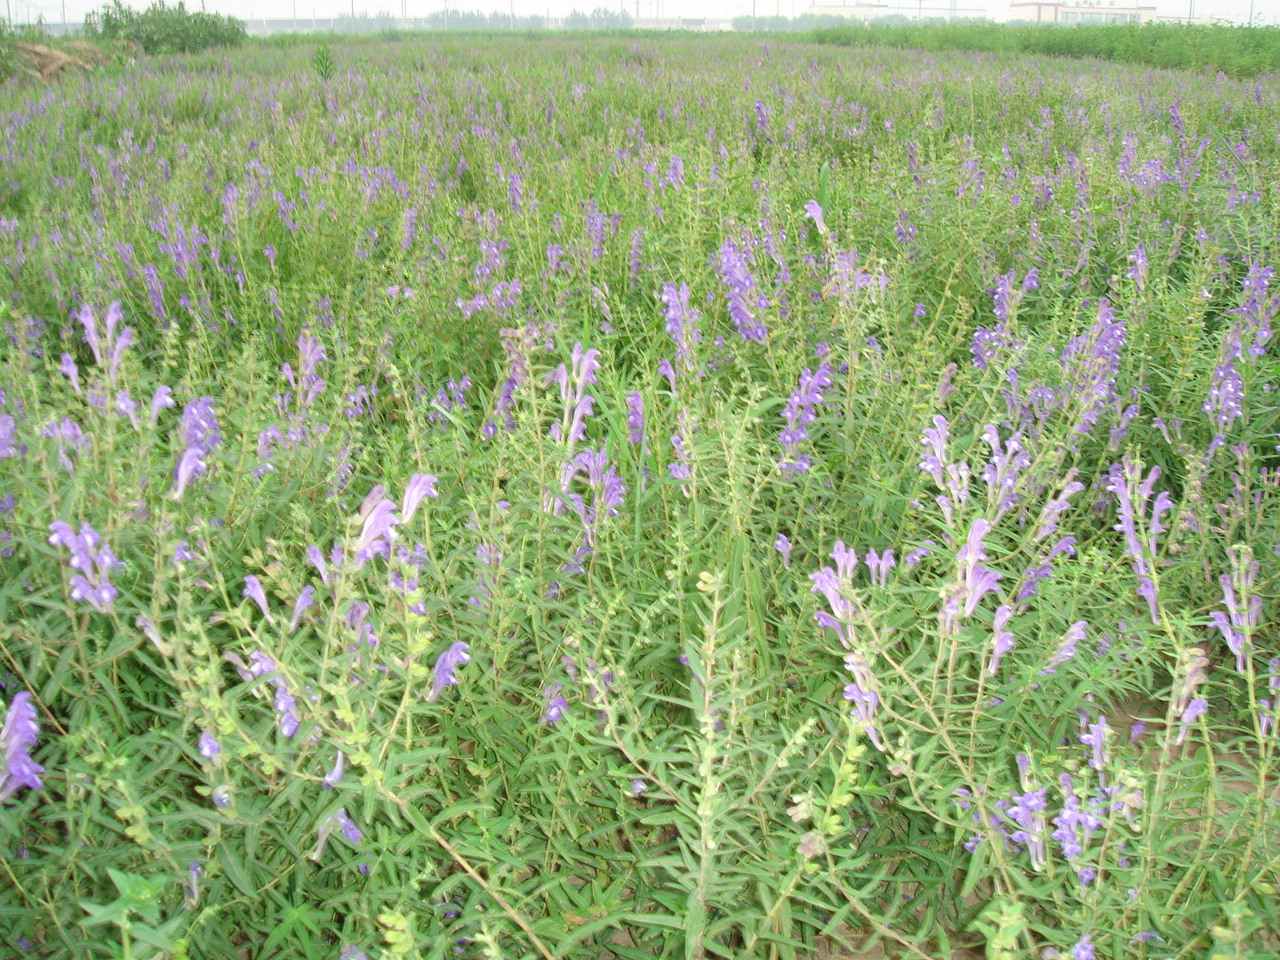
(164, 29)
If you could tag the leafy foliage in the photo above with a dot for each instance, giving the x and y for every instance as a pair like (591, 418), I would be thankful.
(165, 29)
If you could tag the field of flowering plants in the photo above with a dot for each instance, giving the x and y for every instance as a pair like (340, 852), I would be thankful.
(638, 497)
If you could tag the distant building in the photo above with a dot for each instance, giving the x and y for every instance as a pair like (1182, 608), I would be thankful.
(853, 11)
(1081, 12)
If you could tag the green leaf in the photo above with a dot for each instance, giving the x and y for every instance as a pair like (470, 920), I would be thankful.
(114, 912)
(235, 870)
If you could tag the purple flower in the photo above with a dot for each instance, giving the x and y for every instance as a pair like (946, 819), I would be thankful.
(1237, 624)
(92, 560)
(557, 706)
(1195, 710)
(1131, 500)
(638, 787)
(200, 426)
(1270, 707)
(1090, 367)
(879, 565)
(975, 580)
(338, 820)
(635, 417)
(301, 605)
(316, 559)
(1067, 647)
(71, 439)
(209, 747)
(1188, 707)
(1084, 950)
(193, 883)
(783, 546)
(934, 460)
(72, 373)
(306, 382)
(862, 694)
(334, 776)
(420, 486)
(108, 349)
(191, 464)
(378, 528)
(813, 211)
(20, 733)
(253, 591)
(446, 668)
(287, 707)
(1003, 640)
(1026, 812)
(1096, 739)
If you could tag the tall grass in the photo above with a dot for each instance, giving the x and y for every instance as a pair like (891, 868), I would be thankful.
(1233, 50)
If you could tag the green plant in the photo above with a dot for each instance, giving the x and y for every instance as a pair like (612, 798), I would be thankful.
(322, 62)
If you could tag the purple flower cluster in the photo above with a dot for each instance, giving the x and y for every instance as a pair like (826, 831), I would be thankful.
(1003, 472)
(108, 346)
(1124, 481)
(681, 467)
(635, 419)
(286, 705)
(951, 478)
(1191, 676)
(682, 324)
(451, 398)
(519, 346)
(201, 436)
(836, 586)
(1243, 605)
(607, 494)
(93, 562)
(71, 439)
(741, 292)
(989, 342)
(1269, 708)
(862, 694)
(799, 412)
(1090, 367)
(578, 405)
(1023, 819)
(849, 280)
(973, 581)
(18, 735)
(306, 384)
(501, 299)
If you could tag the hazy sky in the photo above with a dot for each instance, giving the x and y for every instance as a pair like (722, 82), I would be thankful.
(1265, 11)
